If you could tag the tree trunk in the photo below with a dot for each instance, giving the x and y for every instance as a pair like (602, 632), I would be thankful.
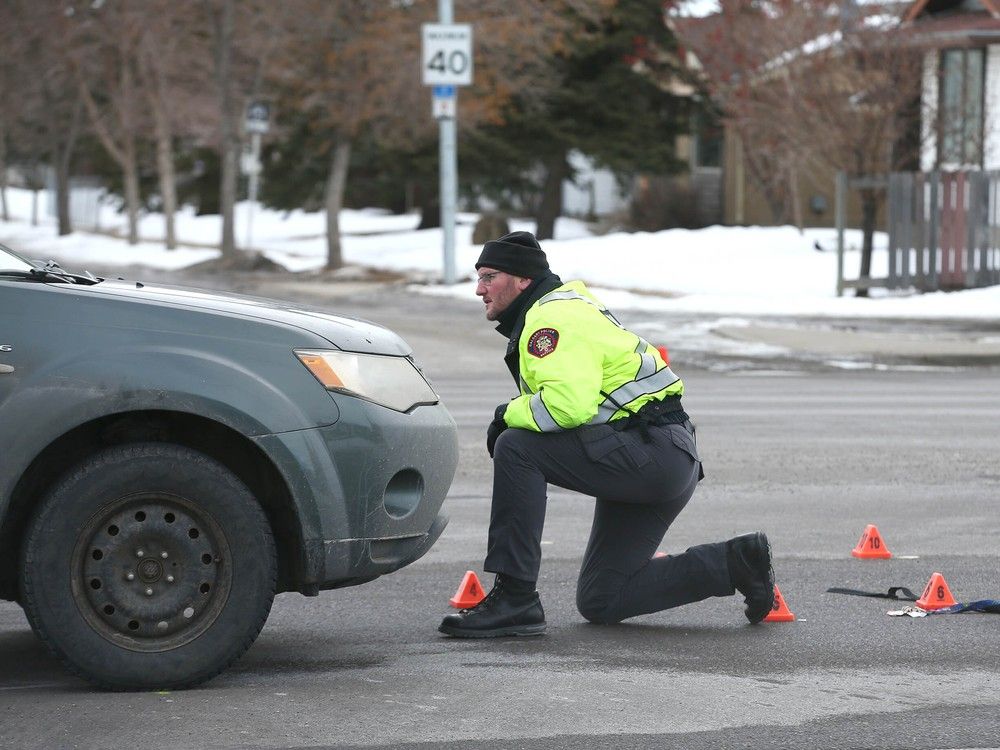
(550, 206)
(62, 198)
(429, 200)
(130, 175)
(4, 213)
(796, 196)
(869, 210)
(168, 184)
(155, 88)
(62, 153)
(227, 198)
(229, 146)
(335, 183)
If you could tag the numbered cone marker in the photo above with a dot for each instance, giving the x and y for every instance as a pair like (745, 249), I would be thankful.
(936, 594)
(871, 546)
(470, 592)
(779, 610)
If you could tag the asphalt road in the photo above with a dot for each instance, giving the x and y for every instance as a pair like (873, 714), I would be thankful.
(807, 451)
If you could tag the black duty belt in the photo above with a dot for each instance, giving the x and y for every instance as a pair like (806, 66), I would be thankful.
(653, 414)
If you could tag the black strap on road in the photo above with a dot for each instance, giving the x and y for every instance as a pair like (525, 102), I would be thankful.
(893, 593)
(901, 593)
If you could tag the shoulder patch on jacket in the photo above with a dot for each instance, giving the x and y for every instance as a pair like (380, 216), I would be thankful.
(543, 342)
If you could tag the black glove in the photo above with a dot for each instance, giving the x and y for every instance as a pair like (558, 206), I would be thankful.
(496, 427)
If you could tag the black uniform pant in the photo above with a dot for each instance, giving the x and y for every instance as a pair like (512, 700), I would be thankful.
(640, 488)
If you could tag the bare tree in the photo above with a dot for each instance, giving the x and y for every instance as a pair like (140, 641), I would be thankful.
(4, 211)
(340, 69)
(6, 93)
(49, 117)
(244, 35)
(105, 57)
(814, 85)
(157, 57)
(174, 69)
(8, 77)
(223, 23)
(738, 56)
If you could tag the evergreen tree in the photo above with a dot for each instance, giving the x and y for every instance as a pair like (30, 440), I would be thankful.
(610, 101)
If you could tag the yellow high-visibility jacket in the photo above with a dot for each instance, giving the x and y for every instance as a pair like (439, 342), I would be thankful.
(573, 355)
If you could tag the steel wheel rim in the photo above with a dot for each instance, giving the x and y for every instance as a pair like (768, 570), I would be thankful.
(151, 572)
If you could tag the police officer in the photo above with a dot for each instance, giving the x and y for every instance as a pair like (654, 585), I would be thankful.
(599, 412)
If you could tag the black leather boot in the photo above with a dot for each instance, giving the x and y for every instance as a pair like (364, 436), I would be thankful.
(749, 560)
(503, 612)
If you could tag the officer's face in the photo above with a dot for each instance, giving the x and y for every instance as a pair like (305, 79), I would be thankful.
(498, 289)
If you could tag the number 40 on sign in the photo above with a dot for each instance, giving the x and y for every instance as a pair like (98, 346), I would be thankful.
(447, 54)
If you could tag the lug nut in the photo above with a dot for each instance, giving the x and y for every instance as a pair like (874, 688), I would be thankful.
(130, 576)
(149, 592)
(164, 555)
(170, 579)
(139, 553)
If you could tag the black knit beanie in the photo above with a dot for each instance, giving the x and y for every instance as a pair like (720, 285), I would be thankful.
(517, 253)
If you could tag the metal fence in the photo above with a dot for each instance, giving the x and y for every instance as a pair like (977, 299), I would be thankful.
(944, 230)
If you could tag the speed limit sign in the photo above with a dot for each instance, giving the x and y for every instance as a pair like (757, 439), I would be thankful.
(447, 54)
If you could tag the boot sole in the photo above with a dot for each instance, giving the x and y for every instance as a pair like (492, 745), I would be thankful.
(756, 616)
(510, 630)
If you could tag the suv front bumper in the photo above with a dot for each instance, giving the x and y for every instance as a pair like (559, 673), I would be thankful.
(365, 559)
(367, 490)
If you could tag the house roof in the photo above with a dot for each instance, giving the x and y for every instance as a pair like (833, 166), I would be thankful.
(941, 24)
(933, 7)
(719, 42)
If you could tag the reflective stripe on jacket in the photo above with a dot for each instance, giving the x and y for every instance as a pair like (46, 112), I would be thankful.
(574, 354)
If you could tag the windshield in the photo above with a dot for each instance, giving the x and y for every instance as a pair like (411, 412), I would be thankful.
(11, 262)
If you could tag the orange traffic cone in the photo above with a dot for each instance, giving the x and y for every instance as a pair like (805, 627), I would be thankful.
(871, 546)
(936, 594)
(779, 610)
(664, 353)
(470, 592)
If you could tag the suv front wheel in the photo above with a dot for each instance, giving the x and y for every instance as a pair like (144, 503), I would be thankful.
(148, 566)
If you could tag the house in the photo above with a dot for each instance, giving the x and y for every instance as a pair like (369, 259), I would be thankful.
(960, 101)
(722, 50)
(960, 98)
(946, 212)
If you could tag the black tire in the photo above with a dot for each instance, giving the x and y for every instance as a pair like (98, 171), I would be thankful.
(148, 566)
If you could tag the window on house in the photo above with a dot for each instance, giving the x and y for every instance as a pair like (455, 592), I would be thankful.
(961, 107)
(707, 141)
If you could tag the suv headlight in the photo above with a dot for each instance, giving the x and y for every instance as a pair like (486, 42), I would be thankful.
(390, 381)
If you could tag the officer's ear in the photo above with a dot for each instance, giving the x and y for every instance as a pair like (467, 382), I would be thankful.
(521, 283)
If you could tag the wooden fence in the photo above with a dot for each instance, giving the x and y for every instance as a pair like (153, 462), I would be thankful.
(944, 231)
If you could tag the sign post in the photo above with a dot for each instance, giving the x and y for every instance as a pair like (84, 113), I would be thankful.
(256, 123)
(446, 63)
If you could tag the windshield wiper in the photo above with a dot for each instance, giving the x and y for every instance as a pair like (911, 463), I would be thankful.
(38, 274)
(52, 271)
(85, 278)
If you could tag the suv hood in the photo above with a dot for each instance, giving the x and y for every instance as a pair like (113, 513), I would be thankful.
(349, 334)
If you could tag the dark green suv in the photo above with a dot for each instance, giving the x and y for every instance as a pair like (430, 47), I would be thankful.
(171, 458)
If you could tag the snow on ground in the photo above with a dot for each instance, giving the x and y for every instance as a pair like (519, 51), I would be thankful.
(719, 270)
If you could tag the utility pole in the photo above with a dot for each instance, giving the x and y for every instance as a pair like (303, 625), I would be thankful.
(447, 64)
